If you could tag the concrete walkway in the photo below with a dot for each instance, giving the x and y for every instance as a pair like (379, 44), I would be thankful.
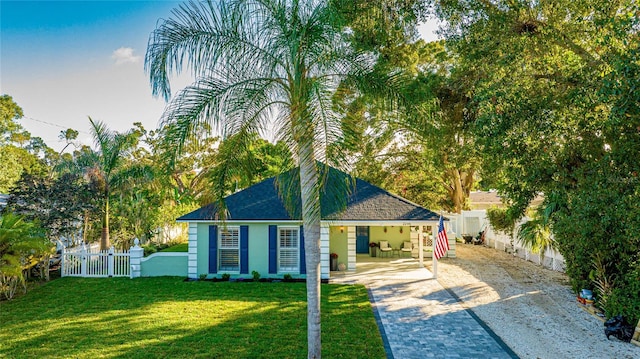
(418, 317)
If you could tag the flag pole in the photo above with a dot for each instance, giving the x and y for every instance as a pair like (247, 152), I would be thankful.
(440, 244)
(421, 238)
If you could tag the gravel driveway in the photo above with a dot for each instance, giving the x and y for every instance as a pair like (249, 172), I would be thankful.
(531, 308)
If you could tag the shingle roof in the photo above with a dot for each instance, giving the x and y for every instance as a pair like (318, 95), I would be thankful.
(3, 200)
(365, 202)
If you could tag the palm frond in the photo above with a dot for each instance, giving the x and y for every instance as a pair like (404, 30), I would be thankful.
(102, 136)
(131, 175)
(536, 235)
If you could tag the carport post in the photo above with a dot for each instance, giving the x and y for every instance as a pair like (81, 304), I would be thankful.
(420, 246)
(434, 236)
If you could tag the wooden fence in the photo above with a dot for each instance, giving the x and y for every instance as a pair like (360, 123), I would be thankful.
(87, 263)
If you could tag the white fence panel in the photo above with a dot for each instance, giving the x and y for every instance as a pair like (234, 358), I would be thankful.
(551, 259)
(121, 264)
(84, 263)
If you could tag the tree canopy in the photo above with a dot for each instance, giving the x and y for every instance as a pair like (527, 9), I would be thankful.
(550, 86)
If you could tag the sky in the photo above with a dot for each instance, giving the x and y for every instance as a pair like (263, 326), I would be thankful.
(66, 61)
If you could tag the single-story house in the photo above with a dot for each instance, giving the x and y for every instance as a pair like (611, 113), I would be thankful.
(260, 235)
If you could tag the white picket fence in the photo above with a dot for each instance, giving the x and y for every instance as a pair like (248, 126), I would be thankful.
(471, 222)
(89, 263)
(551, 259)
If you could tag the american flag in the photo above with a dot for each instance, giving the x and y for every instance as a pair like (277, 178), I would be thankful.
(442, 243)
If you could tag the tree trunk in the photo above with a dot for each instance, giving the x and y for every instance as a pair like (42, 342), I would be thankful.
(467, 183)
(458, 197)
(310, 196)
(104, 239)
(86, 226)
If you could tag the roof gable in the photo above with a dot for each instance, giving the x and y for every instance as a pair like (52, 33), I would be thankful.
(365, 202)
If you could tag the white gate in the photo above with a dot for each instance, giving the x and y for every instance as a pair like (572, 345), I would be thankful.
(84, 263)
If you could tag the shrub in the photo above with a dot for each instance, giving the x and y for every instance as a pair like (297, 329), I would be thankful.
(256, 275)
(597, 229)
(624, 299)
(500, 220)
(149, 248)
(22, 246)
(225, 276)
(288, 277)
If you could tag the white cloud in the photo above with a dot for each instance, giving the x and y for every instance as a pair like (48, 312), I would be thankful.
(125, 55)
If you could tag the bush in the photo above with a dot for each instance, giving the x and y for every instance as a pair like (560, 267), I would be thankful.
(500, 220)
(22, 247)
(226, 276)
(149, 248)
(256, 275)
(597, 229)
(624, 299)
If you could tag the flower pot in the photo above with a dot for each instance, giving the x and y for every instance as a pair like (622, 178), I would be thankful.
(334, 263)
(373, 251)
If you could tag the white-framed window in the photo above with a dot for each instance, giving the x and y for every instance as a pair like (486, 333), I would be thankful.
(288, 249)
(229, 249)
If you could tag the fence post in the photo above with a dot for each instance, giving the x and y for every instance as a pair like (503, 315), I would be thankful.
(136, 252)
(110, 262)
(83, 261)
(62, 262)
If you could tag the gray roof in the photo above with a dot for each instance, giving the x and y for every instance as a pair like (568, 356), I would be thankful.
(3, 200)
(365, 202)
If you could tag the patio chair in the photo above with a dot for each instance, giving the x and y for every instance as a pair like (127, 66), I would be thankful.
(384, 248)
(407, 247)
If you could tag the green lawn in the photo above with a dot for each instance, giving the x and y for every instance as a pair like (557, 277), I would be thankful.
(170, 318)
(182, 247)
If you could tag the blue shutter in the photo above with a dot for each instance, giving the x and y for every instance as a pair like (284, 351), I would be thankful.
(244, 249)
(213, 249)
(303, 262)
(273, 249)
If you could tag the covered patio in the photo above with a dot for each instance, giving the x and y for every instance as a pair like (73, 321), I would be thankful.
(376, 268)
(352, 243)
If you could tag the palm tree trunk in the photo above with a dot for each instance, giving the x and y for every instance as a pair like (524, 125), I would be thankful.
(310, 196)
(104, 239)
(86, 226)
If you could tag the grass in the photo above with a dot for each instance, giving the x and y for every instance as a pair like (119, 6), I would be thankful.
(181, 247)
(170, 318)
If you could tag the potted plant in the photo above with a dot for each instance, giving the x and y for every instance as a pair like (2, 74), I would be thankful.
(372, 247)
(334, 261)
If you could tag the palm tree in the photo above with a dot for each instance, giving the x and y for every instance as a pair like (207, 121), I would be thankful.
(258, 63)
(104, 172)
(535, 234)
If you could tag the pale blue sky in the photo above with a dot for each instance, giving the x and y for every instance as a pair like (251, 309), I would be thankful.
(62, 61)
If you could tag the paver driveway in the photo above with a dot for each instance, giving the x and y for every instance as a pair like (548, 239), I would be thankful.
(417, 316)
